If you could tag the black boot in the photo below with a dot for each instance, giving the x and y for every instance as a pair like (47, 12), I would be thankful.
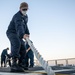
(23, 66)
(15, 67)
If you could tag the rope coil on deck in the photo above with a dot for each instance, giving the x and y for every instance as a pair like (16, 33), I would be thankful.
(40, 58)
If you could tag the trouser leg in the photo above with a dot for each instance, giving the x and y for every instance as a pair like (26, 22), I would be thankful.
(22, 59)
(22, 53)
(31, 57)
(15, 45)
(1, 62)
(9, 63)
(15, 49)
(27, 60)
(4, 62)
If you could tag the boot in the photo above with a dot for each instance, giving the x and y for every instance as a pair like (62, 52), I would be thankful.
(15, 67)
(23, 66)
(30, 66)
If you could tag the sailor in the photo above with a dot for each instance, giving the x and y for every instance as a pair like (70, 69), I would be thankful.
(18, 30)
(8, 59)
(29, 56)
(4, 54)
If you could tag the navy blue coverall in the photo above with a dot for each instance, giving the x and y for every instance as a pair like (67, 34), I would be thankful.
(3, 57)
(16, 30)
(9, 59)
(29, 55)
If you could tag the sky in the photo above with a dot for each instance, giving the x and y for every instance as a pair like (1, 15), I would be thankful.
(51, 24)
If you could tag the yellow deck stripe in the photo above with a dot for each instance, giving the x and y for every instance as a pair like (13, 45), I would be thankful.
(61, 74)
(45, 73)
(36, 72)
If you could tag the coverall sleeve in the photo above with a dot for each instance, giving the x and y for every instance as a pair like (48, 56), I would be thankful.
(19, 27)
(27, 30)
(6, 53)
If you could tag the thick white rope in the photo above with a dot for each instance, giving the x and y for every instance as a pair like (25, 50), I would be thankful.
(44, 63)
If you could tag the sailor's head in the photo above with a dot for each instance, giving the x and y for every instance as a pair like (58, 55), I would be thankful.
(7, 48)
(23, 8)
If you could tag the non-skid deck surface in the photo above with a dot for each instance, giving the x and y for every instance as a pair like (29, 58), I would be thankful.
(7, 69)
(40, 71)
(30, 71)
